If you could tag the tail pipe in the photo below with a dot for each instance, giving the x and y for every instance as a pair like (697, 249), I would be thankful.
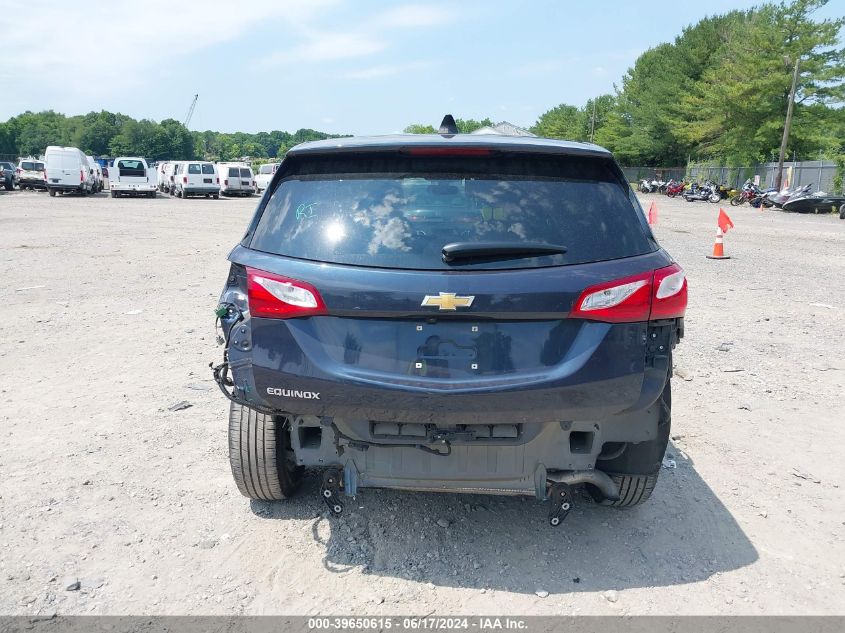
(597, 478)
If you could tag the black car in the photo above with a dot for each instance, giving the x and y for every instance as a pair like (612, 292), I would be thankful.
(8, 175)
(449, 312)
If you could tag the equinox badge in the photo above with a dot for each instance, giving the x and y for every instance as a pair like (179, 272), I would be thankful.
(447, 301)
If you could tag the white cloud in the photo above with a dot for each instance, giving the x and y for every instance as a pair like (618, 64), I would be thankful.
(128, 39)
(365, 39)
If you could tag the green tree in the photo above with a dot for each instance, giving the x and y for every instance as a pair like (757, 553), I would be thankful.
(604, 105)
(33, 132)
(419, 128)
(467, 126)
(738, 108)
(562, 122)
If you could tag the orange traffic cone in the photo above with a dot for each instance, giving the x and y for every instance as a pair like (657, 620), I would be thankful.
(652, 213)
(718, 246)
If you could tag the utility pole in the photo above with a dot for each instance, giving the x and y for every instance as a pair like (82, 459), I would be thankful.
(593, 123)
(787, 125)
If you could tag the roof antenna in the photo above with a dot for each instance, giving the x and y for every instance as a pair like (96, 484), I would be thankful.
(448, 125)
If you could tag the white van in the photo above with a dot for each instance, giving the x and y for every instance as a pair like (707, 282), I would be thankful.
(129, 175)
(165, 172)
(264, 176)
(68, 170)
(98, 173)
(236, 179)
(196, 178)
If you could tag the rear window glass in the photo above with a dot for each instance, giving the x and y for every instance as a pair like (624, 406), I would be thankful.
(30, 166)
(193, 168)
(207, 169)
(245, 173)
(131, 168)
(233, 172)
(266, 169)
(398, 212)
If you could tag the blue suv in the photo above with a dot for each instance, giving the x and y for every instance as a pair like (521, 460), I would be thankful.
(450, 312)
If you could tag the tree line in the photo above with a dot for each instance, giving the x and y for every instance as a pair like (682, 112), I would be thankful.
(113, 134)
(718, 91)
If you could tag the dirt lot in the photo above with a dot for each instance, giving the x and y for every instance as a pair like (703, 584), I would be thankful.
(108, 323)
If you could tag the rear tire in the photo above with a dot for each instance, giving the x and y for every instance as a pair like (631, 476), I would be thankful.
(636, 470)
(633, 489)
(216, 196)
(842, 212)
(52, 193)
(114, 194)
(262, 461)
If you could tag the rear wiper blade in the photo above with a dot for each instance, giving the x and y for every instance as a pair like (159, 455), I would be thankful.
(460, 251)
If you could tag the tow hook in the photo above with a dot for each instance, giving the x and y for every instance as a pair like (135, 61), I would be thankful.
(330, 491)
(560, 497)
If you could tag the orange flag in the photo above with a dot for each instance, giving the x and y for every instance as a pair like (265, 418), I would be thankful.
(724, 221)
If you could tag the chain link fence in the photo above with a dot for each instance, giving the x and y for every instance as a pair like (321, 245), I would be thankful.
(819, 173)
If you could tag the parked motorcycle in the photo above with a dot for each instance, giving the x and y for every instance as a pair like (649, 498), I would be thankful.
(649, 186)
(749, 192)
(675, 187)
(708, 191)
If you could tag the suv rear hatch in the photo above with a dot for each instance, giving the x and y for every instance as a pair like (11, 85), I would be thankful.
(358, 310)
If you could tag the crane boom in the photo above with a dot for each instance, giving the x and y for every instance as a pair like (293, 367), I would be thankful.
(191, 110)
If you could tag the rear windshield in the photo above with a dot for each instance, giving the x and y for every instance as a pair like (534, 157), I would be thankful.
(266, 169)
(30, 166)
(207, 168)
(131, 168)
(193, 168)
(398, 212)
(245, 173)
(233, 172)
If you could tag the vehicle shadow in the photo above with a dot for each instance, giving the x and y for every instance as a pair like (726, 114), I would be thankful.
(683, 534)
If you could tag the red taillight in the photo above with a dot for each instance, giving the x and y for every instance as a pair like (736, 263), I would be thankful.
(226, 182)
(81, 176)
(218, 181)
(670, 293)
(185, 179)
(447, 151)
(18, 170)
(661, 294)
(276, 297)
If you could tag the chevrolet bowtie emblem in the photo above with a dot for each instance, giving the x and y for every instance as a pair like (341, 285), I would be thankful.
(447, 301)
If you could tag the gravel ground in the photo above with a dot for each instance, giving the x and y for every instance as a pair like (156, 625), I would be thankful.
(112, 503)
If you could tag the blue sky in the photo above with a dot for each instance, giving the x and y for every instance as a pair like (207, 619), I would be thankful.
(336, 65)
